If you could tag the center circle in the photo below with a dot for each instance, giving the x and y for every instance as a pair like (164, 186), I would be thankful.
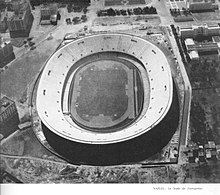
(106, 94)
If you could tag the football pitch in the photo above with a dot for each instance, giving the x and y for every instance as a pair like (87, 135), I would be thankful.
(103, 94)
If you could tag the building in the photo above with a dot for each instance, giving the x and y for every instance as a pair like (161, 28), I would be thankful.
(196, 50)
(201, 5)
(213, 155)
(212, 145)
(202, 30)
(216, 39)
(208, 154)
(191, 157)
(211, 150)
(4, 14)
(49, 13)
(20, 23)
(201, 41)
(192, 54)
(3, 23)
(202, 156)
(9, 119)
(6, 53)
(218, 152)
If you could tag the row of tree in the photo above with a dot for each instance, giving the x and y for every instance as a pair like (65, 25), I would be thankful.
(175, 12)
(76, 8)
(178, 42)
(124, 12)
(39, 2)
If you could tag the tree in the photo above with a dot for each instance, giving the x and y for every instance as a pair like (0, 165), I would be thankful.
(111, 12)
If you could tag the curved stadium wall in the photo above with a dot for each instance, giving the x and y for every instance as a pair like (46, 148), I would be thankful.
(119, 67)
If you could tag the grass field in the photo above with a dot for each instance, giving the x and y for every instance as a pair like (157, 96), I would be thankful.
(106, 92)
(208, 16)
(102, 93)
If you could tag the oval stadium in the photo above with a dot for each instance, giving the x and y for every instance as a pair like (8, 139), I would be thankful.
(107, 99)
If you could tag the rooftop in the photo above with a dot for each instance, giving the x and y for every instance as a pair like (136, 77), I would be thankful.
(204, 45)
(194, 54)
(5, 103)
(20, 8)
(216, 39)
(3, 42)
(189, 42)
(17, 16)
(200, 26)
(5, 14)
(199, 1)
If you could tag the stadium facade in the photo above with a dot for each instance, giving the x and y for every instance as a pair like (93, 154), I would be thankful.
(107, 99)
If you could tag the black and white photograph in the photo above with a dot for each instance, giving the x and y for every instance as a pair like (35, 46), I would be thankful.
(110, 92)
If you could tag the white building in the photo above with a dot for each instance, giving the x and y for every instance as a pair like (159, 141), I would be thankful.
(201, 5)
(204, 30)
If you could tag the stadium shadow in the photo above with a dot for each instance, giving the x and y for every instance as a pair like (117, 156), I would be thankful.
(130, 151)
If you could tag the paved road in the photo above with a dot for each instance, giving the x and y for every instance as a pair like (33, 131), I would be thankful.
(165, 17)
(187, 95)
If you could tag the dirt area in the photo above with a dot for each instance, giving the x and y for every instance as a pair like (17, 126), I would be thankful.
(46, 171)
(13, 84)
(129, 20)
(33, 170)
(14, 147)
(24, 143)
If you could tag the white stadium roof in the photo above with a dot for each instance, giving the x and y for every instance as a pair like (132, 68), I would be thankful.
(51, 86)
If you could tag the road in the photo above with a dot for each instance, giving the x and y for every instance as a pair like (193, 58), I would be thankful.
(35, 158)
(165, 17)
(187, 94)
